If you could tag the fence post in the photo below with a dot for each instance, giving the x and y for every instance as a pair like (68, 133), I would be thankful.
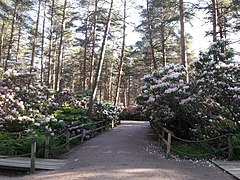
(230, 146)
(107, 125)
(159, 139)
(102, 125)
(33, 154)
(169, 139)
(163, 135)
(92, 130)
(82, 134)
(112, 123)
(46, 149)
(68, 140)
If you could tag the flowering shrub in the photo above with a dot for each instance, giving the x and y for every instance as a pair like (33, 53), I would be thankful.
(32, 110)
(105, 111)
(131, 113)
(69, 114)
(75, 100)
(162, 94)
(24, 105)
(20, 103)
(48, 124)
(218, 81)
(206, 106)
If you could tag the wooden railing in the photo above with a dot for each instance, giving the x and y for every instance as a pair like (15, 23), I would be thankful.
(95, 127)
(165, 137)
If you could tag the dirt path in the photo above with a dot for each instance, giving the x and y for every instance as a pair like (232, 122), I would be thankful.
(127, 152)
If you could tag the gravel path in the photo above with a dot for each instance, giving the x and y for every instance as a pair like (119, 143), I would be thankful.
(127, 152)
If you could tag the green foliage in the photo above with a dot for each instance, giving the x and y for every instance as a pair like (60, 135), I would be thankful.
(13, 144)
(31, 111)
(194, 151)
(236, 147)
(105, 111)
(69, 114)
(205, 107)
(131, 113)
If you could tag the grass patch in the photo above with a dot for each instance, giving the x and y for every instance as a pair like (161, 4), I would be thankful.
(193, 150)
(236, 147)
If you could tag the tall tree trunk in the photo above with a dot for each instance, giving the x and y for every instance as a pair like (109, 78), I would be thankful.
(42, 43)
(220, 23)
(35, 36)
(150, 37)
(214, 15)
(220, 19)
(61, 80)
(54, 62)
(164, 57)
(11, 37)
(122, 57)
(85, 53)
(60, 53)
(101, 59)
(125, 93)
(110, 83)
(49, 73)
(93, 45)
(2, 38)
(183, 40)
(129, 90)
(18, 41)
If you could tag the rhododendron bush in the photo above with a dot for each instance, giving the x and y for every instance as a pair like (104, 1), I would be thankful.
(26, 106)
(21, 103)
(206, 106)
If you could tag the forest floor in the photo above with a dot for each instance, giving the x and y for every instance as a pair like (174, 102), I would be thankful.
(127, 152)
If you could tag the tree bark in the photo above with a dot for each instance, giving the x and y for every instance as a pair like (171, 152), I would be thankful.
(18, 42)
(122, 57)
(11, 37)
(2, 38)
(183, 40)
(42, 44)
(125, 93)
(110, 83)
(85, 53)
(101, 59)
(164, 57)
(35, 36)
(214, 16)
(59, 65)
(150, 37)
(93, 45)
(49, 73)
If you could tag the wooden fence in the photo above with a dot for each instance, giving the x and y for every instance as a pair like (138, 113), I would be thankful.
(165, 137)
(95, 127)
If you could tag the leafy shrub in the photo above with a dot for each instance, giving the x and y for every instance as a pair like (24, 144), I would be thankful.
(106, 111)
(74, 100)
(194, 151)
(236, 147)
(131, 113)
(205, 107)
(21, 103)
(69, 114)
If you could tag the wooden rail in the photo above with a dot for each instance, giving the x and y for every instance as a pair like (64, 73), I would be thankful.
(100, 126)
(165, 137)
